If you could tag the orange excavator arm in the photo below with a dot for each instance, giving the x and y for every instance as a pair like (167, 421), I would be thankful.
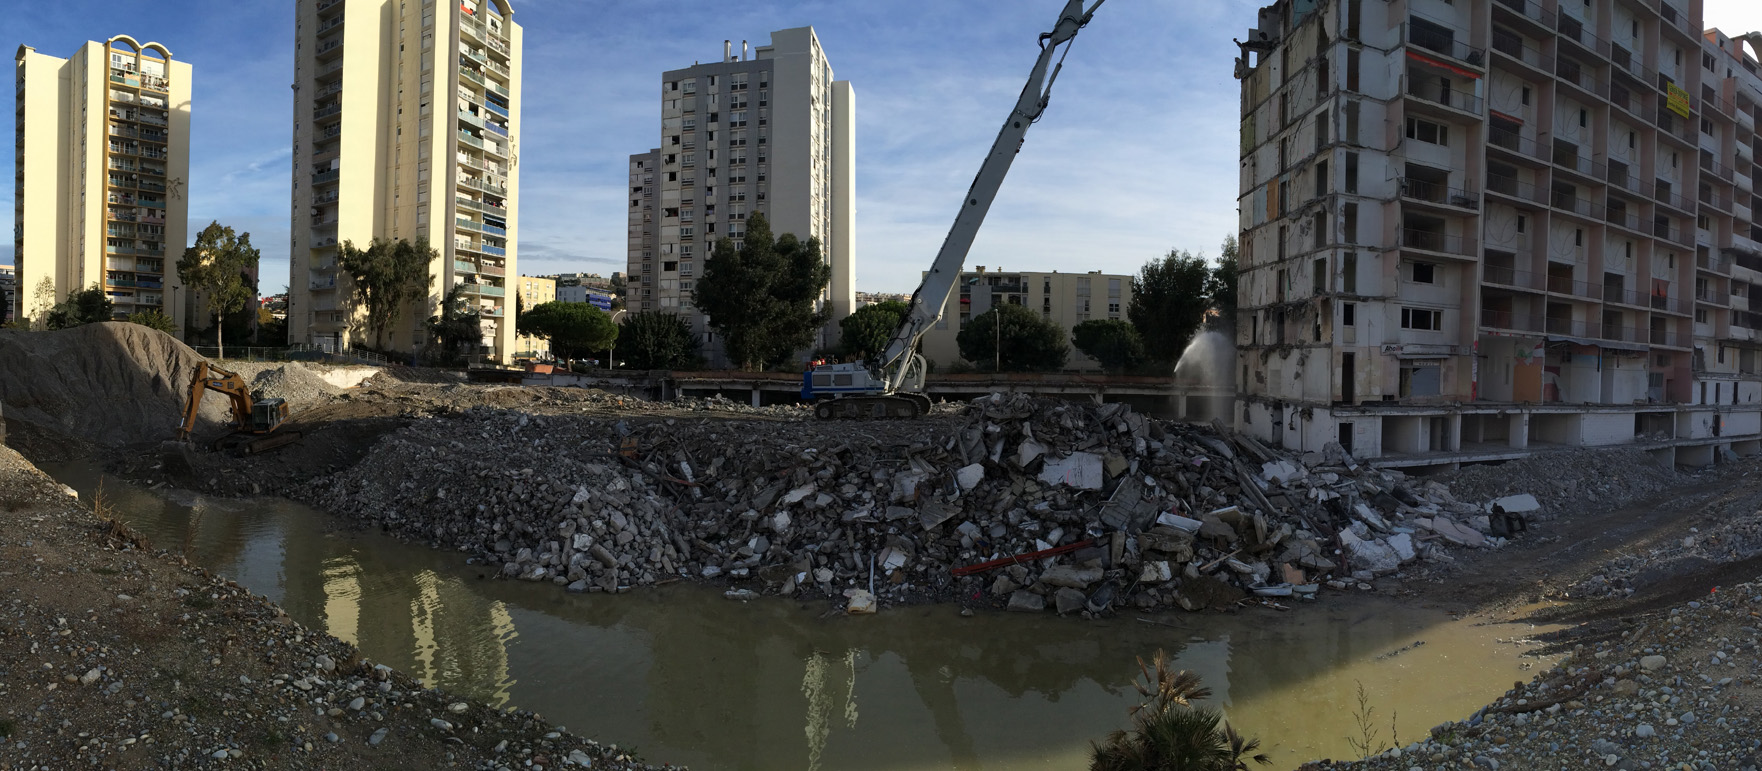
(209, 377)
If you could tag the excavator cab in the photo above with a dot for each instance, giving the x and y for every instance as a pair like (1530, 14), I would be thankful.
(267, 415)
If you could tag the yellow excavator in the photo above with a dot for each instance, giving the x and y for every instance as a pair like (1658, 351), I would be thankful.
(254, 418)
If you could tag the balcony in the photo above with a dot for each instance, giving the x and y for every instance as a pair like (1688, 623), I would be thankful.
(1435, 93)
(1513, 46)
(320, 284)
(1663, 193)
(1672, 234)
(1714, 263)
(325, 176)
(494, 128)
(492, 269)
(1514, 188)
(1507, 276)
(1437, 243)
(484, 289)
(1529, 11)
(470, 139)
(1674, 126)
(495, 108)
(493, 230)
(1413, 189)
(1621, 215)
(328, 47)
(1517, 322)
(330, 68)
(320, 113)
(1709, 294)
(1444, 43)
(1565, 284)
(324, 5)
(1583, 207)
(1716, 168)
(1570, 28)
(495, 250)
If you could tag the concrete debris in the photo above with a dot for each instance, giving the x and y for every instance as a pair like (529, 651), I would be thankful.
(1157, 514)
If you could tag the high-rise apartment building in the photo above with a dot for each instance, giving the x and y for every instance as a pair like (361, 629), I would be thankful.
(1485, 227)
(377, 154)
(101, 161)
(771, 134)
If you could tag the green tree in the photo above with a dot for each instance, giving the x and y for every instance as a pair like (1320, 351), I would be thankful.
(387, 277)
(82, 306)
(617, 289)
(220, 266)
(42, 300)
(575, 330)
(153, 319)
(655, 340)
(1170, 296)
(457, 330)
(865, 333)
(1014, 339)
(761, 296)
(1112, 342)
(1221, 287)
(1169, 733)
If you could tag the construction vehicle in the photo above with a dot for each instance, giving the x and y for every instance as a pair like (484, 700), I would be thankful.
(254, 418)
(891, 385)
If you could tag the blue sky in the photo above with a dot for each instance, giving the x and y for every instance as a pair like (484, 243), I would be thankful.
(1137, 154)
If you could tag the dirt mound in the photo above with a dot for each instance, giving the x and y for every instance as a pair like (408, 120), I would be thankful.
(1565, 481)
(301, 387)
(112, 383)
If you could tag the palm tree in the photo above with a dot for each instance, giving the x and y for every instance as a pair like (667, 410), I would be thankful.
(1170, 733)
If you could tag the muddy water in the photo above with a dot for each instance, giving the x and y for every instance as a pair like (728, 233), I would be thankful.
(686, 676)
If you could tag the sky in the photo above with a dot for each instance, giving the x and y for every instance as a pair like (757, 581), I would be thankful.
(1135, 156)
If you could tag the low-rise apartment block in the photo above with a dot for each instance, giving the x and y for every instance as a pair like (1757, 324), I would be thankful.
(1066, 299)
(1474, 229)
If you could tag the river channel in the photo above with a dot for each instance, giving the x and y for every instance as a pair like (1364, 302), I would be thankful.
(686, 676)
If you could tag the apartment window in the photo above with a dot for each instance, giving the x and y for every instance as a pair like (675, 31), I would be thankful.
(1348, 314)
(1708, 62)
(1349, 223)
(1321, 131)
(1352, 172)
(1707, 127)
(1578, 237)
(1526, 96)
(1522, 223)
(1422, 319)
(1701, 316)
(1351, 122)
(1427, 131)
(1321, 178)
(1349, 273)
(1319, 275)
(1584, 117)
(669, 267)
(1425, 273)
(1351, 69)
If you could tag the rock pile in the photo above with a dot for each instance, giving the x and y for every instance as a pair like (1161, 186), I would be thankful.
(1114, 507)
(1676, 692)
(1576, 480)
(111, 383)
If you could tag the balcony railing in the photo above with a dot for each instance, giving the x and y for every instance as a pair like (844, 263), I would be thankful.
(325, 176)
(1709, 294)
(485, 289)
(1446, 45)
(1433, 192)
(326, 111)
(1436, 93)
(1622, 216)
(495, 108)
(468, 138)
(1672, 233)
(1434, 241)
(493, 230)
(1716, 263)
(490, 269)
(495, 250)
(1622, 175)
(1716, 168)
(1521, 322)
(1675, 126)
(1669, 197)
(1583, 207)
(1503, 275)
(1517, 143)
(1531, 10)
(1572, 29)
(1569, 159)
(1668, 337)
(1514, 47)
(1568, 285)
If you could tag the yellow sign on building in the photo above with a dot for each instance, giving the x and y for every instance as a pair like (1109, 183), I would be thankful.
(1678, 100)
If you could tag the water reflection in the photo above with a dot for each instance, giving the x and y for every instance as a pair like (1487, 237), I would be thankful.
(689, 677)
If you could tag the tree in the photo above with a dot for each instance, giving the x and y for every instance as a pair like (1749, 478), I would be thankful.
(220, 266)
(655, 340)
(617, 289)
(153, 319)
(42, 300)
(1169, 733)
(575, 330)
(387, 277)
(1013, 339)
(457, 330)
(1221, 287)
(1112, 342)
(761, 296)
(1170, 296)
(82, 306)
(865, 333)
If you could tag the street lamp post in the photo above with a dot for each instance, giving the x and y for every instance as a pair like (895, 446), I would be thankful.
(610, 364)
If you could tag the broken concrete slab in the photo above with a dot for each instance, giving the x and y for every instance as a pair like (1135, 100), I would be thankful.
(970, 476)
(1523, 503)
(1075, 578)
(1024, 601)
(1081, 470)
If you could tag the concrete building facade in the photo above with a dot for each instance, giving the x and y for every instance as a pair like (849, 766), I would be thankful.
(768, 133)
(8, 293)
(1066, 299)
(533, 292)
(1474, 229)
(102, 159)
(406, 126)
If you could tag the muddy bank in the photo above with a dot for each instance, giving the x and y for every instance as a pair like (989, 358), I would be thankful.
(118, 654)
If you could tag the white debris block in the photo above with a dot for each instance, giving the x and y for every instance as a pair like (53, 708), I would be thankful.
(1028, 452)
(1179, 522)
(1371, 517)
(861, 601)
(969, 476)
(892, 559)
(1082, 470)
(1402, 543)
(1281, 471)
(796, 495)
(1522, 503)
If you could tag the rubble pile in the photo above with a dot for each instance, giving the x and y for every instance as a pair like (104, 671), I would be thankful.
(1110, 506)
(1732, 540)
(1574, 480)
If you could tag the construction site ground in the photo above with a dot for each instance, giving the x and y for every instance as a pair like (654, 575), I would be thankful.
(1621, 546)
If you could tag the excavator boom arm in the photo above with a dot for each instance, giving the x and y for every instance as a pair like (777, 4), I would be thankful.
(209, 377)
(939, 282)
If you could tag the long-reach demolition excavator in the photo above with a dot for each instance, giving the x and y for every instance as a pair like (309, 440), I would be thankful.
(254, 418)
(891, 385)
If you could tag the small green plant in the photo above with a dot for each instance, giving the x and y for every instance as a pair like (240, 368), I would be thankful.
(5, 727)
(1169, 733)
(1363, 716)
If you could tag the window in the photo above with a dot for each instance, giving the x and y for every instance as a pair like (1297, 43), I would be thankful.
(1526, 96)
(1349, 223)
(1522, 223)
(1421, 318)
(1427, 131)
(1425, 273)
(1349, 273)
(1351, 122)
(1584, 118)
(1701, 317)
(1319, 275)
(1352, 172)
(1578, 237)
(1348, 312)
(1351, 69)
(1321, 178)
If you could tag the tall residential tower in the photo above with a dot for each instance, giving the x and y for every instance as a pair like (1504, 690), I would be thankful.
(772, 133)
(377, 154)
(101, 158)
(1478, 228)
